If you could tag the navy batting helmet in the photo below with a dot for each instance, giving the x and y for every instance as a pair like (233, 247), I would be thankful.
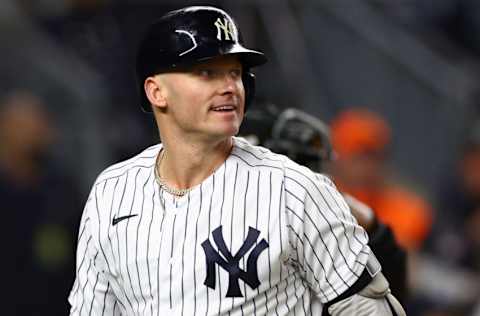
(191, 35)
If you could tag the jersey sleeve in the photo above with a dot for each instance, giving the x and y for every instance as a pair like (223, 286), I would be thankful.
(91, 293)
(331, 247)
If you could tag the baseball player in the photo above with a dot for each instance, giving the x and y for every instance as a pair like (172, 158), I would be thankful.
(205, 223)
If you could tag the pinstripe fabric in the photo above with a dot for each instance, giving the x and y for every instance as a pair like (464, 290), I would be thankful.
(153, 263)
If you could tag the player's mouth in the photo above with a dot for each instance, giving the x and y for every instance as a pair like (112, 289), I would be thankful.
(224, 108)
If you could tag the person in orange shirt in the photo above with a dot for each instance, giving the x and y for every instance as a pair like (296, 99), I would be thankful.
(360, 139)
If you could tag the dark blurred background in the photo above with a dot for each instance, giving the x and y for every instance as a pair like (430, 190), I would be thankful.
(69, 108)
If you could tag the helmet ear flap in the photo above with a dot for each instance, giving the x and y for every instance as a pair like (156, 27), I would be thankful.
(248, 80)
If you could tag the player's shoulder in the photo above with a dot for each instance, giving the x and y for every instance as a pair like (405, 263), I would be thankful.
(304, 178)
(254, 156)
(145, 159)
(258, 156)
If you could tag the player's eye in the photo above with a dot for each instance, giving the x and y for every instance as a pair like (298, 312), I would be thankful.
(206, 73)
(236, 73)
(211, 73)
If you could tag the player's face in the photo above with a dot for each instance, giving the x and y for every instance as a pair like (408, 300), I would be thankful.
(208, 99)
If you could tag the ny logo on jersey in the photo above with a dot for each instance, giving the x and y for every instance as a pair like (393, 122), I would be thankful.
(231, 263)
(227, 27)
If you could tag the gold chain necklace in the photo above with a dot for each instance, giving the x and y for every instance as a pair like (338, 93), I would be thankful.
(162, 183)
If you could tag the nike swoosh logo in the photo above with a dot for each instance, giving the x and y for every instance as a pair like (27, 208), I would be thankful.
(117, 220)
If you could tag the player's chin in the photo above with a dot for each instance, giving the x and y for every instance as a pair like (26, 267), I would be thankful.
(230, 131)
(224, 130)
(230, 123)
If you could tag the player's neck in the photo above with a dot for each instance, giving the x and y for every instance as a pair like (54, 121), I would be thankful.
(185, 165)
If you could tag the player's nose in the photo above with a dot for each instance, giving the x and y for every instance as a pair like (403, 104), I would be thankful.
(230, 83)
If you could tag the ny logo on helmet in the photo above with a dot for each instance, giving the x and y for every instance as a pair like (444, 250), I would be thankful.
(227, 27)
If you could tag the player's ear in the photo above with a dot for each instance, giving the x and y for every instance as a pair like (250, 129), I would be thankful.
(155, 92)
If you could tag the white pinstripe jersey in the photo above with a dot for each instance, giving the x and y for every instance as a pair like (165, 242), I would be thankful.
(156, 261)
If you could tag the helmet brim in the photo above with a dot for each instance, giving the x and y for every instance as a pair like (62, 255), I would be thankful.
(248, 57)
